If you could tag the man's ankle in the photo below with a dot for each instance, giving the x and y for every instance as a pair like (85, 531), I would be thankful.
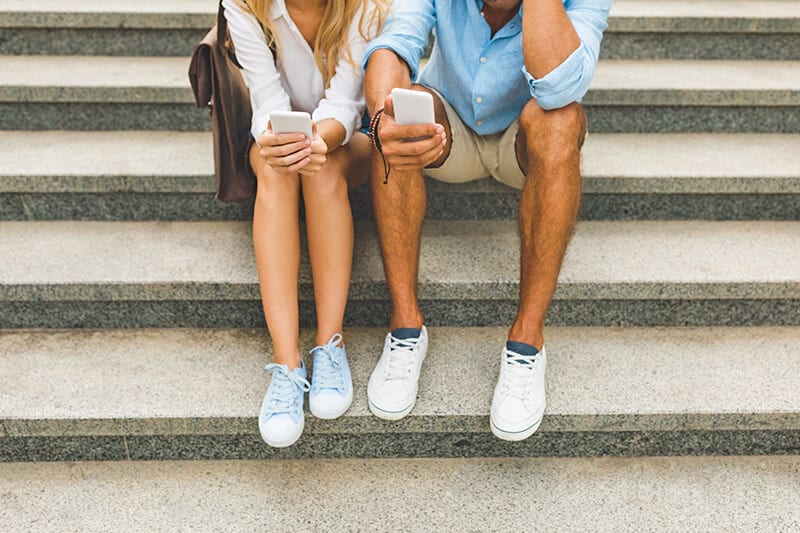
(412, 320)
(533, 336)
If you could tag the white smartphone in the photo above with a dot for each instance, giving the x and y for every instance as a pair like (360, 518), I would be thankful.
(412, 107)
(291, 122)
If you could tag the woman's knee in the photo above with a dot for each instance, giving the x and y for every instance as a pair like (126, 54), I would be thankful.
(325, 185)
(330, 181)
(271, 183)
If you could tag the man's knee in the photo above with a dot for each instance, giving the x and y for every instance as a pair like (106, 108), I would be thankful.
(553, 134)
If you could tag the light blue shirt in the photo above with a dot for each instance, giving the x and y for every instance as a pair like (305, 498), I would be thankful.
(484, 77)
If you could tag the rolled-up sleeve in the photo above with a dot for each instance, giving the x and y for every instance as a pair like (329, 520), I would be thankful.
(406, 32)
(570, 81)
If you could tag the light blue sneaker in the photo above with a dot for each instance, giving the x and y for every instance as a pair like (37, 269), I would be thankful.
(281, 421)
(331, 385)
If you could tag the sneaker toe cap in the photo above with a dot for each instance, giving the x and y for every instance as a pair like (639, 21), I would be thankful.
(280, 430)
(329, 402)
(391, 396)
(513, 414)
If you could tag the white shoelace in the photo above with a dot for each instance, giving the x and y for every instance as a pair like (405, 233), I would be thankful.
(519, 373)
(401, 358)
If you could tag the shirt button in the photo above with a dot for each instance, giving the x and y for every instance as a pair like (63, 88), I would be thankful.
(479, 100)
(483, 60)
(479, 123)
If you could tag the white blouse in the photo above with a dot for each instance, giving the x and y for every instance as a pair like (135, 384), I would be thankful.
(293, 82)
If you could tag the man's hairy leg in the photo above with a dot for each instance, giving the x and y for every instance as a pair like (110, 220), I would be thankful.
(548, 149)
(399, 205)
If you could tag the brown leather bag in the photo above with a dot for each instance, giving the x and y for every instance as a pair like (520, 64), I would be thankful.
(218, 85)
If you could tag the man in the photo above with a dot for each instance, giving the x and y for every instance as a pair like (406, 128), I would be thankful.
(506, 76)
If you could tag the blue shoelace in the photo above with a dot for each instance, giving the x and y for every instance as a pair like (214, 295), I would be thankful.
(328, 372)
(284, 389)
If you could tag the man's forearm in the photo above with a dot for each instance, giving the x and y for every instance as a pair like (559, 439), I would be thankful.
(385, 71)
(548, 36)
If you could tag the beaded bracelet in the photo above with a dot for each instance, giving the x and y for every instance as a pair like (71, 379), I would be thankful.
(376, 141)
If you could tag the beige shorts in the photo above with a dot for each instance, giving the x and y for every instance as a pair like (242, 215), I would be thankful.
(473, 156)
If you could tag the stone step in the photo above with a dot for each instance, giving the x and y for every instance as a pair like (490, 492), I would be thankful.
(202, 274)
(107, 176)
(638, 29)
(414, 495)
(128, 93)
(195, 394)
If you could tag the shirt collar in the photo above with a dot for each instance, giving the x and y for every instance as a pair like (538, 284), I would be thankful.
(277, 9)
(515, 23)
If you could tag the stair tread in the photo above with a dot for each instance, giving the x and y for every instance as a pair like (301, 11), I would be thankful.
(460, 260)
(617, 82)
(626, 15)
(179, 381)
(572, 494)
(183, 162)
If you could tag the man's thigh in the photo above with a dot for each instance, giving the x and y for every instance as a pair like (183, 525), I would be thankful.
(463, 163)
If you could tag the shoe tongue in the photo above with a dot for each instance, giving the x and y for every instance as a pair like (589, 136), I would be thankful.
(520, 348)
(406, 333)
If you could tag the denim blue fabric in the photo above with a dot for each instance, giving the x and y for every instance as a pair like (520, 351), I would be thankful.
(484, 77)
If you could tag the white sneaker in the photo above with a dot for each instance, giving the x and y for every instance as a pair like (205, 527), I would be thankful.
(519, 402)
(393, 385)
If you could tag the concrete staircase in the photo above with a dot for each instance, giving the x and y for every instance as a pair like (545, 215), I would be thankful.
(132, 327)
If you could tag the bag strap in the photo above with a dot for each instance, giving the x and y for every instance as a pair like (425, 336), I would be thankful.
(222, 22)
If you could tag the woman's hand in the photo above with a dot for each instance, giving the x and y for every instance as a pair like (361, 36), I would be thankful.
(318, 156)
(285, 152)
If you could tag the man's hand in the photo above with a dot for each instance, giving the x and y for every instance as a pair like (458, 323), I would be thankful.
(409, 147)
(319, 154)
(285, 152)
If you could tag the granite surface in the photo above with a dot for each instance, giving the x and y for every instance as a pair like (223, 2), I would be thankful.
(123, 206)
(180, 42)
(693, 119)
(418, 445)
(103, 117)
(740, 46)
(127, 42)
(418, 495)
(626, 15)
(565, 444)
(182, 162)
(211, 382)
(53, 79)
(369, 313)
(602, 119)
(212, 261)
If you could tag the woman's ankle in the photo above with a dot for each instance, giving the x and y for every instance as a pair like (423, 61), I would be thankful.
(292, 362)
(324, 337)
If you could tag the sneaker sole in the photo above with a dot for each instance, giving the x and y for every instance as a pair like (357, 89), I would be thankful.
(390, 415)
(515, 435)
(331, 416)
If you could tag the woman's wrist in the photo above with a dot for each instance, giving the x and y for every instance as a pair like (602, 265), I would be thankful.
(332, 132)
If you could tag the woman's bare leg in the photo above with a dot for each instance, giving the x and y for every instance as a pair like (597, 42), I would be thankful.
(329, 223)
(276, 240)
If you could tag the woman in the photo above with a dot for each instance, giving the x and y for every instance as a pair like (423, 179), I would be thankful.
(304, 55)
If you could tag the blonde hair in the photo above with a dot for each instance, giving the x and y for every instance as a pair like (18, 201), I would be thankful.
(332, 41)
